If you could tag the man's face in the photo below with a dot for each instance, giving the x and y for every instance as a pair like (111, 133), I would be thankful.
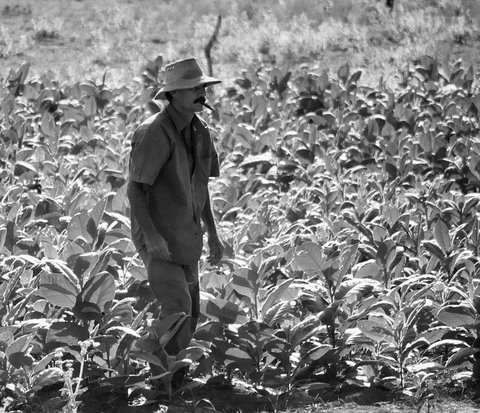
(184, 99)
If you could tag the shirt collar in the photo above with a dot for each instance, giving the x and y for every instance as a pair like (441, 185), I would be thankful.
(179, 119)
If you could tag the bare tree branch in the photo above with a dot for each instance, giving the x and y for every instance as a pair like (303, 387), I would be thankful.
(209, 46)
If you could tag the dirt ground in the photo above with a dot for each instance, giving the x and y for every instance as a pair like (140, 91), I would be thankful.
(241, 398)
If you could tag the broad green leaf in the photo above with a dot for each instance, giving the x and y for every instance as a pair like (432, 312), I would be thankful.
(391, 214)
(120, 201)
(442, 236)
(314, 387)
(386, 252)
(242, 287)
(304, 330)
(344, 73)
(58, 289)
(461, 356)
(213, 281)
(235, 353)
(377, 328)
(20, 345)
(256, 230)
(97, 212)
(87, 311)
(448, 342)
(257, 334)
(165, 328)
(355, 77)
(48, 126)
(43, 363)
(22, 167)
(65, 334)
(84, 263)
(209, 331)
(457, 315)
(139, 273)
(434, 249)
(347, 256)
(305, 156)
(151, 359)
(356, 337)
(146, 344)
(92, 228)
(310, 258)
(48, 377)
(240, 357)
(276, 313)
(319, 352)
(123, 329)
(99, 290)
(102, 263)
(194, 353)
(276, 294)
(60, 266)
(20, 360)
(430, 365)
(373, 129)
(3, 236)
(122, 311)
(366, 269)
(244, 136)
(434, 334)
(224, 311)
(323, 81)
(69, 251)
(90, 107)
(426, 141)
(350, 289)
(6, 337)
(388, 130)
(78, 228)
(22, 73)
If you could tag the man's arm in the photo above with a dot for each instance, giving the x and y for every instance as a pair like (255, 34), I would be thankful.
(154, 242)
(215, 246)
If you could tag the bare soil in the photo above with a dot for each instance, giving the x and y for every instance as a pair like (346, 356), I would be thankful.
(242, 398)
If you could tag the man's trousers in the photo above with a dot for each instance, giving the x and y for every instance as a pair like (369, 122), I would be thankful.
(176, 288)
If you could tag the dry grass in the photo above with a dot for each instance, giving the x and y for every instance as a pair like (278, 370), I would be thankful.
(76, 39)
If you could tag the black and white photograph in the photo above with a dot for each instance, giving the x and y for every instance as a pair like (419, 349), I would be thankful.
(240, 206)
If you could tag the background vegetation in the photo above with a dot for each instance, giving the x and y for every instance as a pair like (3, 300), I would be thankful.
(79, 39)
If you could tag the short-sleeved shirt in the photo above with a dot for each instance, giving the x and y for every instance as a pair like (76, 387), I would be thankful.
(176, 158)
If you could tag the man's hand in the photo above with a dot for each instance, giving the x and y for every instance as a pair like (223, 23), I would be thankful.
(157, 247)
(215, 247)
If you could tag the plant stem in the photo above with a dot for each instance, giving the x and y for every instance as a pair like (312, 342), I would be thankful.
(79, 379)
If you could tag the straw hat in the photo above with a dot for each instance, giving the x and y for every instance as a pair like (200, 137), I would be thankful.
(184, 74)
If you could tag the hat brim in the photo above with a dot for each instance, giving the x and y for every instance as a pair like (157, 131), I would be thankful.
(186, 84)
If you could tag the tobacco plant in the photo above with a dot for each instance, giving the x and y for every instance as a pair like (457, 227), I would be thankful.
(349, 215)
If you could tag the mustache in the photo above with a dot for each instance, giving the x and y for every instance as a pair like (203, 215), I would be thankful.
(203, 102)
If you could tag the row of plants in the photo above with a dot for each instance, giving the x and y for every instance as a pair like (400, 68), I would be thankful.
(349, 214)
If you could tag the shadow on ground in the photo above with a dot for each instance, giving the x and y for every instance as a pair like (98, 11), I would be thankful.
(243, 399)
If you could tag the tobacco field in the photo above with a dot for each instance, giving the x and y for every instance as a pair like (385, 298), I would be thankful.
(350, 216)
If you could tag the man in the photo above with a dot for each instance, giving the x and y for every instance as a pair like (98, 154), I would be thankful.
(171, 161)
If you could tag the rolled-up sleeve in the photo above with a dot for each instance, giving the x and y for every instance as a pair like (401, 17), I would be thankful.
(150, 151)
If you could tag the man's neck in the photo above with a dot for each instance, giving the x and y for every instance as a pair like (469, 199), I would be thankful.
(187, 115)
